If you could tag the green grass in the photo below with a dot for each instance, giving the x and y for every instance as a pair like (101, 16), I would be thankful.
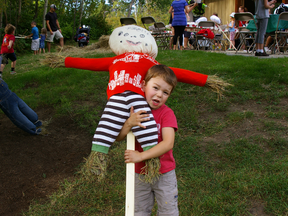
(230, 154)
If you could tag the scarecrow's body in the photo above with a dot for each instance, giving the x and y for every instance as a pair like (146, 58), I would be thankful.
(136, 51)
(127, 72)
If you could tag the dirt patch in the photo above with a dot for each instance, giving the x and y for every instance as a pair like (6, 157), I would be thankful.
(31, 166)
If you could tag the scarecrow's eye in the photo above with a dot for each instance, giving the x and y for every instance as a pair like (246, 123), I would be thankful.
(142, 35)
(146, 44)
(126, 34)
(120, 33)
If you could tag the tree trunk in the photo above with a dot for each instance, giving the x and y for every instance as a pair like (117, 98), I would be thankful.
(130, 7)
(36, 10)
(81, 12)
(19, 12)
(1, 18)
(74, 23)
(44, 13)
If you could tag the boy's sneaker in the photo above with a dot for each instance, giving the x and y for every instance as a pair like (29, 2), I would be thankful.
(13, 72)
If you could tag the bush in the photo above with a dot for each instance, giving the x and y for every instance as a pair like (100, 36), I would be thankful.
(22, 46)
(67, 30)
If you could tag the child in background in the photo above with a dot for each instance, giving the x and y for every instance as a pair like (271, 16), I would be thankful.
(35, 38)
(42, 40)
(232, 30)
(158, 85)
(7, 51)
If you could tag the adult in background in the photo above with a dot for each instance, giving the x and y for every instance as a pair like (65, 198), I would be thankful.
(53, 27)
(262, 15)
(242, 9)
(189, 17)
(179, 21)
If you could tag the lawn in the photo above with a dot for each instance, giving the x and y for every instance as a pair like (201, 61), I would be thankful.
(231, 154)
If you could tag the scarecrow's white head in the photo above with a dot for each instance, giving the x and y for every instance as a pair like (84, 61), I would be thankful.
(131, 38)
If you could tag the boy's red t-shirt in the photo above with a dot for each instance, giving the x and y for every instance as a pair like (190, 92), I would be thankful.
(5, 43)
(164, 117)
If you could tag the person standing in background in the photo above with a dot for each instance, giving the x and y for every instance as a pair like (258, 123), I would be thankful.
(232, 31)
(262, 15)
(7, 51)
(53, 27)
(42, 40)
(190, 19)
(35, 38)
(179, 21)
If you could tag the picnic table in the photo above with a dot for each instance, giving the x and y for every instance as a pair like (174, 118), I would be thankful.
(272, 24)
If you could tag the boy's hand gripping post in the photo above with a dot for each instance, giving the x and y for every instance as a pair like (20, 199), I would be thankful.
(130, 178)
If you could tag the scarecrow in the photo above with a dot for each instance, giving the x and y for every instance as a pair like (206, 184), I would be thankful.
(135, 50)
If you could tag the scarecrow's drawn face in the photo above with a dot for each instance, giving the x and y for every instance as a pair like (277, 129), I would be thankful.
(132, 39)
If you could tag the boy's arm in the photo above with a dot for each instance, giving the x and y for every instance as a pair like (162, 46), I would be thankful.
(168, 135)
(10, 44)
(135, 119)
(29, 35)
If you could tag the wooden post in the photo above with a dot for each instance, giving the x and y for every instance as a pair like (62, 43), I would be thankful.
(130, 178)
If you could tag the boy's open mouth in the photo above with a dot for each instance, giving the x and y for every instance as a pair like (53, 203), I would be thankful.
(155, 102)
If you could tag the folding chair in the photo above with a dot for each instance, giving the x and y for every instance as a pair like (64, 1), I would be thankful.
(128, 21)
(281, 35)
(202, 41)
(161, 36)
(245, 34)
(147, 20)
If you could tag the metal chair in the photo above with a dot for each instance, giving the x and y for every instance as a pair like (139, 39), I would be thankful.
(147, 20)
(281, 35)
(201, 40)
(128, 21)
(161, 36)
(245, 34)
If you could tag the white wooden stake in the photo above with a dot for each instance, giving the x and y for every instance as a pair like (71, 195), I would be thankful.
(130, 178)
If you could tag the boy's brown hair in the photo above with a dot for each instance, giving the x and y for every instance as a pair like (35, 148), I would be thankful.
(9, 29)
(34, 23)
(164, 72)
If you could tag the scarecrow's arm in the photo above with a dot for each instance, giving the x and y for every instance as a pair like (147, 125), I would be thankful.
(190, 77)
(93, 64)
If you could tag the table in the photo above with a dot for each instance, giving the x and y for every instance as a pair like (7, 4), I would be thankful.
(272, 24)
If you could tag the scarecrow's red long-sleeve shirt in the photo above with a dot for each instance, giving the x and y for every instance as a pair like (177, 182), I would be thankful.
(127, 71)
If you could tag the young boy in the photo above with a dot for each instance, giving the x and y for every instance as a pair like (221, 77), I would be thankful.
(35, 37)
(7, 51)
(158, 85)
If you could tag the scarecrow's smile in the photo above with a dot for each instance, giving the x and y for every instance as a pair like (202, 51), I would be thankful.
(133, 43)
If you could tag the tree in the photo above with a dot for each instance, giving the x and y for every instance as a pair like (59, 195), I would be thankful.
(44, 13)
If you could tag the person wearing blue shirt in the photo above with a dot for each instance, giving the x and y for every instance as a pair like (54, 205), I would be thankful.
(35, 37)
(179, 22)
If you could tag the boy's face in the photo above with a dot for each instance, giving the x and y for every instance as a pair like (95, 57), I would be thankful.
(157, 92)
